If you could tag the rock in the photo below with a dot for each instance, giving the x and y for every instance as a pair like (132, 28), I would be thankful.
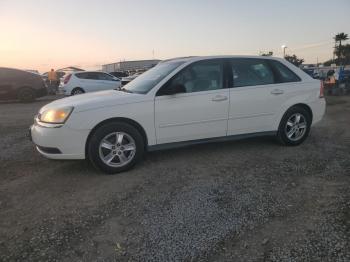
(265, 241)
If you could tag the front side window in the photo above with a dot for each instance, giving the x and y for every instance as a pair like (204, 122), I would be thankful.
(197, 77)
(146, 81)
(251, 72)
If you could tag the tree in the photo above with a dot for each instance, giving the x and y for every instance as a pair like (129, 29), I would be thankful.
(338, 49)
(294, 60)
(270, 53)
(343, 54)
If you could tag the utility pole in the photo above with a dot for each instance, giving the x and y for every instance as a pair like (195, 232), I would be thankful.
(284, 50)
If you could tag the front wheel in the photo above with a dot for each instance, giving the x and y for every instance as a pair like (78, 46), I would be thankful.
(295, 126)
(26, 95)
(115, 147)
(77, 91)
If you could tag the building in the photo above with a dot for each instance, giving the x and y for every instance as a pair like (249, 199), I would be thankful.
(130, 65)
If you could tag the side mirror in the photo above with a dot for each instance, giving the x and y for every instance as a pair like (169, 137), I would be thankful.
(172, 90)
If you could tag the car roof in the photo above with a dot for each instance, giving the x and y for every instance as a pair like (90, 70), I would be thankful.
(198, 58)
(78, 72)
(18, 71)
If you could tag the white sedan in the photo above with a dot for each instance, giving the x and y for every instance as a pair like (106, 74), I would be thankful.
(88, 81)
(180, 102)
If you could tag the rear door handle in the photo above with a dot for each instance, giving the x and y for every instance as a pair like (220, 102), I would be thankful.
(277, 92)
(219, 98)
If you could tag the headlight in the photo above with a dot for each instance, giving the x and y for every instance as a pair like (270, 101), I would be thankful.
(56, 116)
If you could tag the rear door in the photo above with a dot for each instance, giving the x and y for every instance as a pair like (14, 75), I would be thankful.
(86, 80)
(257, 94)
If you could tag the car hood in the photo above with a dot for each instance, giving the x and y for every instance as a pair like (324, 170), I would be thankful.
(95, 100)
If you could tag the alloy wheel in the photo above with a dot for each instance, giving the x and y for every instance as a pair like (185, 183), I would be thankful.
(296, 127)
(117, 149)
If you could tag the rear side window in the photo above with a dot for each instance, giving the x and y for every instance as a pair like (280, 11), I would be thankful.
(82, 75)
(103, 76)
(251, 72)
(282, 73)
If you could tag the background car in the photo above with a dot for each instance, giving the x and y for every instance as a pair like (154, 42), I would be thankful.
(128, 79)
(89, 81)
(119, 74)
(21, 85)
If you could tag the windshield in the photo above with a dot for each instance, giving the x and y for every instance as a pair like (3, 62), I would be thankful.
(146, 81)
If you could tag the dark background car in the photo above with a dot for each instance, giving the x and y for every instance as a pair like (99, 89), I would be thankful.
(21, 85)
(119, 74)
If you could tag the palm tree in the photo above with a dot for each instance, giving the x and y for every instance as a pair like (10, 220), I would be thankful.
(339, 38)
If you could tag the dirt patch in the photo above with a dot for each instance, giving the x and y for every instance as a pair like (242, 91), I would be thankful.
(250, 200)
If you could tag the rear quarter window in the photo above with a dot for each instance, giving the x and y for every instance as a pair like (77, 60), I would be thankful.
(282, 73)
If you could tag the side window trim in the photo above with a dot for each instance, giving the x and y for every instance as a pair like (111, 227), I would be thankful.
(222, 63)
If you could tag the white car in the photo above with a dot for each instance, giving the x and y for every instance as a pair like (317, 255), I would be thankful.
(128, 79)
(181, 102)
(88, 81)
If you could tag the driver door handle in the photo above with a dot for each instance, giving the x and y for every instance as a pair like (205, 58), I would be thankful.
(219, 98)
(277, 92)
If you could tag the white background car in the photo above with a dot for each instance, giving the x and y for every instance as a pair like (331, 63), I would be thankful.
(88, 81)
(128, 79)
(180, 102)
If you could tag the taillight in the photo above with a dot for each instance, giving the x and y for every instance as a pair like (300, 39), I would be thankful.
(321, 90)
(67, 78)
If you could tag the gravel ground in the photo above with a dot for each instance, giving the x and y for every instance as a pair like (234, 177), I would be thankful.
(250, 200)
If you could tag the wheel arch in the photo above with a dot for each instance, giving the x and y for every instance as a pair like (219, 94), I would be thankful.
(77, 87)
(122, 120)
(306, 107)
(24, 87)
(302, 105)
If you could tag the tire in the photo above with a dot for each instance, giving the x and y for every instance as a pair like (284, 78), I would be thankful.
(295, 126)
(103, 147)
(77, 91)
(26, 95)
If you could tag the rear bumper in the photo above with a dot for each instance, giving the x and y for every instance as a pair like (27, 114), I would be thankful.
(59, 143)
(318, 110)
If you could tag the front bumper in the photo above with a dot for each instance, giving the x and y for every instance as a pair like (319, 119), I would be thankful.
(59, 143)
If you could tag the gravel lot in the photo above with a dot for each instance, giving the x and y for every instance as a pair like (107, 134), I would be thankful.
(250, 200)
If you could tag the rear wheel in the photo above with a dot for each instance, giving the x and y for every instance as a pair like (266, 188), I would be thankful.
(26, 95)
(77, 91)
(115, 147)
(295, 126)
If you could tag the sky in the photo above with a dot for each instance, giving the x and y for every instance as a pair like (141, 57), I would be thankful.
(44, 34)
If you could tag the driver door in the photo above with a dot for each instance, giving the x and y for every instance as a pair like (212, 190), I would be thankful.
(200, 111)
